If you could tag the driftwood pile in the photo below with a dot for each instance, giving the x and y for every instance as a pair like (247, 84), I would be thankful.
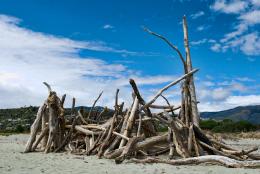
(132, 133)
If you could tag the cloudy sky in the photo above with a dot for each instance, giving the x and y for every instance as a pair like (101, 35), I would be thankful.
(84, 47)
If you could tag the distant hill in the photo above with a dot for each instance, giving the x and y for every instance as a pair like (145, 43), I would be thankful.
(249, 113)
(11, 118)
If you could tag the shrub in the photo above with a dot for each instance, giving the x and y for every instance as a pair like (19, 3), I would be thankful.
(227, 125)
(208, 124)
(19, 129)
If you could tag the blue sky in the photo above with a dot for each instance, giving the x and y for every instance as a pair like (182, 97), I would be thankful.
(84, 47)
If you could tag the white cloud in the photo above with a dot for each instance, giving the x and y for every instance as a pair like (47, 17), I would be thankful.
(239, 29)
(216, 47)
(243, 100)
(255, 3)
(108, 26)
(241, 38)
(245, 79)
(28, 58)
(198, 42)
(197, 15)
(251, 44)
(212, 41)
(226, 94)
(233, 6)
(201, 28)
(220, 93)
(208, 83)
(230, 102)
(251, 17)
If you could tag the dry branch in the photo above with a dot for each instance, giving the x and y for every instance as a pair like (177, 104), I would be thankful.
(94, 104)
(168, 86)
(170, 44)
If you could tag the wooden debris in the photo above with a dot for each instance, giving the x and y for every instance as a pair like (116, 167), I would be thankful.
(133, 133)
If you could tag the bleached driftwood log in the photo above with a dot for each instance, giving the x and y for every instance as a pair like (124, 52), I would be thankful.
(53, 121)
(214, 159)
(34, 128)
(194, 108)
(170, 85)
(130, 121)
(140, 145)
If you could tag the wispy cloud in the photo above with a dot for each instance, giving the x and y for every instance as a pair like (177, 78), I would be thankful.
(233, 6)
(241, 38)
(245, 79)
(216, 47)
(199, 42)
(28, 58)
(108, 26)
(202, 27)
(255, 3)
(197, 15)
(251, 17)
(226, 94)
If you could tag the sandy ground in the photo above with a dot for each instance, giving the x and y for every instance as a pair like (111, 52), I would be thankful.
(13, 161)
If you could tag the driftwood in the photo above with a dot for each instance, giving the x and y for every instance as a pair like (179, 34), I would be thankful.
(53, 121)
(34, 128)
(215, 159)
(130, 122)
(132, 132)
(130, 147)
(94, 104)
(194, 109)
(67, 138)
(140, 145)
(168, 86)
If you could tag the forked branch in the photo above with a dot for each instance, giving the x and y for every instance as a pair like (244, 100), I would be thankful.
(170, 44)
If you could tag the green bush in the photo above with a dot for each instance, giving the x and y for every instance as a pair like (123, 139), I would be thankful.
(227, 125)
(244, 126)
(19, 129)
(208, 124)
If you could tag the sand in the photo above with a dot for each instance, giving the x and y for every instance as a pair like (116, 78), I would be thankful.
(13, 161)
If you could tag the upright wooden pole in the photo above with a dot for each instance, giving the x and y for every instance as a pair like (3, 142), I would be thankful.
(194, 108)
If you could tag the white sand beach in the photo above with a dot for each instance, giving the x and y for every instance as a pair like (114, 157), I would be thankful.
(13, 161)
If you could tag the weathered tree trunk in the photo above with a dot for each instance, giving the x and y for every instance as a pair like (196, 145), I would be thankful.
(53, 123)
(34, 128)
(45, 118)
(130, 121)
(194, 108)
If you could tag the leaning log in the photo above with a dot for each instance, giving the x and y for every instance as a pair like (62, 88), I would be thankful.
(34, 128)
(148, 142)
